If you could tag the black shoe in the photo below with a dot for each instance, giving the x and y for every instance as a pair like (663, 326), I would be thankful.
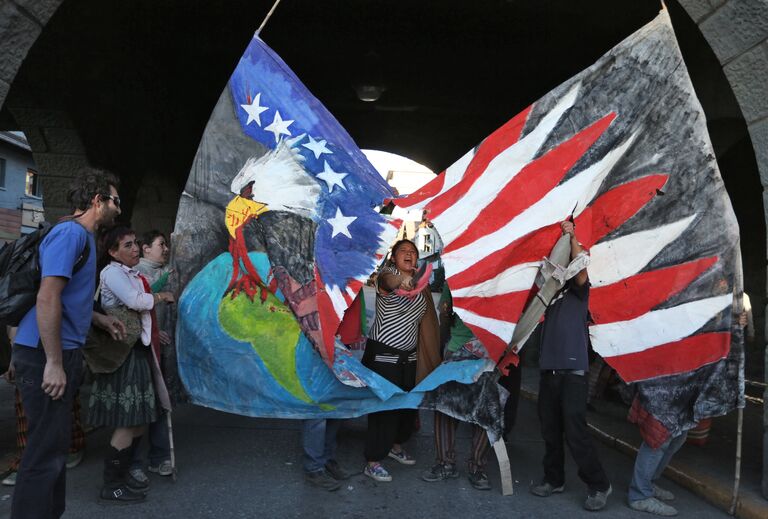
(322, 479)
(335, 471)
(479, 480)
(116, 478)
(122, 494)
(439, 472)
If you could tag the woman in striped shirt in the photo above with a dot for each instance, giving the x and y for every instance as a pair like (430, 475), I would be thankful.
(391, 351)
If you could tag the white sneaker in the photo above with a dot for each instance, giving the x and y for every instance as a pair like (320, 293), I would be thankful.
(663, 494)
(653, 506)
(377, 472)
(164, 469)
(10, 479)
(402, 457)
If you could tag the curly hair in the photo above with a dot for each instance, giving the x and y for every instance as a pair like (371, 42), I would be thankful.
(89, 183)
(109, 240)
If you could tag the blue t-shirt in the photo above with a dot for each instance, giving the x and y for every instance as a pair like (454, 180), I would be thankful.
(59, 252)
(564, 335)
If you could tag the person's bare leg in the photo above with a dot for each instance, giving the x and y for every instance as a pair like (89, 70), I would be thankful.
(122, 437)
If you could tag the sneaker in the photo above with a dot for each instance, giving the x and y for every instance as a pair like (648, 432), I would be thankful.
(321, 479)
(10, 479)
(402, 457)
(74, 458)
(139, 475)
(335, 471)
(663, 494)
(137, 480)
(163, 469)
(653, 506)
(479, 480)
(440, 472)
(597, 499)
(546, 489)
(377, 472)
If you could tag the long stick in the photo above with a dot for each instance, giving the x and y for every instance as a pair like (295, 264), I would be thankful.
(507, 489)
(737, 333)
(266, 19)
(170, 443)
(737, 476)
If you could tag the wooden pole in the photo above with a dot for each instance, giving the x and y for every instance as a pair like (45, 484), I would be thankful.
(737, 477)
(266, 18)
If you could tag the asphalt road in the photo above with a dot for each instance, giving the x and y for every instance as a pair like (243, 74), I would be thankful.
(238, 467)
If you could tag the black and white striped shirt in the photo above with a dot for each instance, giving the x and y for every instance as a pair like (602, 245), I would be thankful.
(397, 321)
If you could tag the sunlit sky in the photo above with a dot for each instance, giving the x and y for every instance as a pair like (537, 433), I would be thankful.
(408, 175)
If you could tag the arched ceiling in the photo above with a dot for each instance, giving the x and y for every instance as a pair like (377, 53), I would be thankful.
(144, 75)
(138, 80)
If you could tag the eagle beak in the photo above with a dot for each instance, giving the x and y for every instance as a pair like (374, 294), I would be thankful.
(255, 208)
(239, 211)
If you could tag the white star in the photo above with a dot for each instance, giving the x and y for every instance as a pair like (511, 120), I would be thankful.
(331, 177)
(341, 223)
(278, 126)
(254, 110)
(317, 147)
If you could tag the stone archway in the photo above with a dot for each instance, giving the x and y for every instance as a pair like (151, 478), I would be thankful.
(737, 31)
(56, 148)
(54, 141)
(21, 22)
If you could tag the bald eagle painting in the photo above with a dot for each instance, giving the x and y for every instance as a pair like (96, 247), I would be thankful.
(278, 230)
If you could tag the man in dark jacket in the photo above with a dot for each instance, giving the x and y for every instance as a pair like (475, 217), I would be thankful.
(563, 389)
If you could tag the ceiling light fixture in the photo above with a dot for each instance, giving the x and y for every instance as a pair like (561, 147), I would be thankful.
(369, 93)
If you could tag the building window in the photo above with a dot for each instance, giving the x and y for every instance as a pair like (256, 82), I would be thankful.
(2, 172)
(33, 187)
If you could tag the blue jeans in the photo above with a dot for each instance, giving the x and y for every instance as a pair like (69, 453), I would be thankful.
(40, 491)
(159, 444)
(319, 442)
(649, 465)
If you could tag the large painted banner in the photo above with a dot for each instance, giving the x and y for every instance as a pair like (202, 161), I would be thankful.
(277, 231)
(623, 149)
(276, 234)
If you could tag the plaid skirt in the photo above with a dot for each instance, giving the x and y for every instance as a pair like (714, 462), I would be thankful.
(126, 397)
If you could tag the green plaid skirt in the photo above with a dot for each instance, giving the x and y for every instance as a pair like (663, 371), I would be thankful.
(126, 397)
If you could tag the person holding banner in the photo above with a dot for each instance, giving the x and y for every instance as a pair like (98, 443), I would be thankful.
(405, 329)
(563, 388)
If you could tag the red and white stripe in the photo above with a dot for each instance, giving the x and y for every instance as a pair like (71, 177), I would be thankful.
(498, 211)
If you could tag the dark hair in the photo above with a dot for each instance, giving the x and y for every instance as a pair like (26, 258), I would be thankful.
(397, 245)
(148, 238)
(89, 183)
(109, 239)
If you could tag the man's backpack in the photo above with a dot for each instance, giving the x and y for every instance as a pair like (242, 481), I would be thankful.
(20, 274)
